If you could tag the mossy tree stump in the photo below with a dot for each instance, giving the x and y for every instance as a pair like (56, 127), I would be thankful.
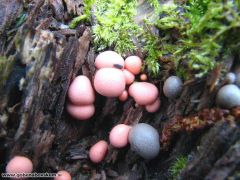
(38, 61)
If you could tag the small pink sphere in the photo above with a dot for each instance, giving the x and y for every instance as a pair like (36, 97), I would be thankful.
(108, 59)
(129, 77)
(81, 112)
(63, 175)
(119, 135)
(123, 96)
(143, 93)
(143, 77)
(19, 164)
(133, 64)
(109, 82)
(81, 91)
(98, 151)
(153, 107)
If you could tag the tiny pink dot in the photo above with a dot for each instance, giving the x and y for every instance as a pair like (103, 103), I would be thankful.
(143, 77)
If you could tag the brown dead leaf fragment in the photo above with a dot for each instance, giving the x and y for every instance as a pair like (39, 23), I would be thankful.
(203, 119)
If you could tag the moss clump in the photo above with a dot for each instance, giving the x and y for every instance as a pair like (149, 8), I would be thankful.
(177, 167)
(195, 33)
(198, 33)
(86, 14)
(115, 27)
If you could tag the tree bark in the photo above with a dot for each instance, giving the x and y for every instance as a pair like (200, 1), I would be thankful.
(39, 59)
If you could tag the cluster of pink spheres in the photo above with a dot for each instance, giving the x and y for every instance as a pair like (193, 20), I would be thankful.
(114, 78)
(22, 164)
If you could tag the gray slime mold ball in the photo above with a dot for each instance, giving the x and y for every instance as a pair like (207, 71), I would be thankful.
(172, 87)
(230, 78)
(144, 140)
(228, 96)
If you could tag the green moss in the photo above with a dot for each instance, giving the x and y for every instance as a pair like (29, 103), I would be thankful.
(115, 27)
(203, 30)
(177, 167)
(152, 48)
(196, 33)
(86, 14)
(196, 9)
(155, 4)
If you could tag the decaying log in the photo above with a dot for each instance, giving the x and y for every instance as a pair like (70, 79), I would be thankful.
(42, 56)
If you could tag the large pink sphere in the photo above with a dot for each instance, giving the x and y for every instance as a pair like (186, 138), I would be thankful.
(109, 59)
(81, 91)
(133, 64)
(81, 112)
(19, 164)
(118, 136)
(98, 151)
(143, 93)
(109, 82)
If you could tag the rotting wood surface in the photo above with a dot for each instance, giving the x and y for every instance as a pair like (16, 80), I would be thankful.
(45, 58)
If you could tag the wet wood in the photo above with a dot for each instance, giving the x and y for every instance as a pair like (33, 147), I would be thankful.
(42, 58)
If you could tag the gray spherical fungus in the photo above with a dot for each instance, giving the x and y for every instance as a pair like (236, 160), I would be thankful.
(144, 140)
(230, 78)
(228, 96)
(172, 87)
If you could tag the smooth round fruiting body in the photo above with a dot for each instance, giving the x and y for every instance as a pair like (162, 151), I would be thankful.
(81, 112)
(133, 64)
(109, 82)
(123, 96)
(144, 140)
(129, 77)
(143, 77)
(63, 175)
(19, 164)
(109, 59)
(230, 78)
(143, 93)
(172, 87)
(118, 136)
(153, 107)
(98, 151)
(228, 96)
(81, 91)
